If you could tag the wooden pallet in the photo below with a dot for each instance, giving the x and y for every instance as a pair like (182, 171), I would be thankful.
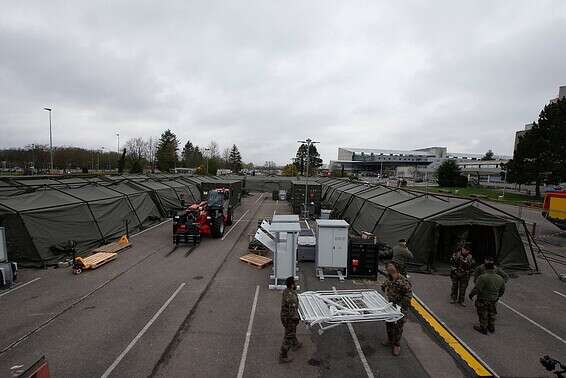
(117, 246)
(96, 260)
(257, 261)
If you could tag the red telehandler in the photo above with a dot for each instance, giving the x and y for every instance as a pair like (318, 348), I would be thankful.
(206, 218)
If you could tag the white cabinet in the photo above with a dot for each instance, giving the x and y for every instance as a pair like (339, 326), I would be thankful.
(332, 246)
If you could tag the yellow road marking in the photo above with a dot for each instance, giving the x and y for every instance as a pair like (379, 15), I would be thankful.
(476, 365)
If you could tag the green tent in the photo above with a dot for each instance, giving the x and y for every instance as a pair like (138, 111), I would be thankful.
(432, 224)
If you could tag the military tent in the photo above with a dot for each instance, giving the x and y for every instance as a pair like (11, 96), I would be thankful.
(432, 224)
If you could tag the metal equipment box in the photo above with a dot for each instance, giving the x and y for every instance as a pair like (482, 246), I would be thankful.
(306, 248)
(332, 243)
(285, 218)
(8, 274)
(284, 253)
(3, 246)
(298, 189)
(363, 257)
(325, 214)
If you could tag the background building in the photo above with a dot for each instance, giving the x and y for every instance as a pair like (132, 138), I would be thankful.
(416, 164)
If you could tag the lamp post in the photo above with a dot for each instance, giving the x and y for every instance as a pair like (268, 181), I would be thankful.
(118, 135)
(102, 153)
(308, 142)
(50, 140)
(207, 158)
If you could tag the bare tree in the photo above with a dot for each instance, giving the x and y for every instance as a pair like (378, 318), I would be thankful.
(213, 150)
(137, 151)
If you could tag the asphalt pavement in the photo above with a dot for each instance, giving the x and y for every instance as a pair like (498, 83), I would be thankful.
(159, 311)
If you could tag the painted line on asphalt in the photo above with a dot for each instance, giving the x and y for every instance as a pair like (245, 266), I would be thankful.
(151, 228)
(235, 224)
(19, 286)
(276, 204)
(534, 323)
(361, 354)
(248, 335)
(258, 198)
(559, 293)
(142, 332)
(479, 366)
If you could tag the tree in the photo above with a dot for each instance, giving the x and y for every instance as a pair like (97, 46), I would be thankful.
(235, 159)
(290, 170)
(541, 151)
(300, 160)
(167, 151)
(136, 153)
(213, 151)
(449, 174)
(488, 155)
(191, 155)
(225, 159)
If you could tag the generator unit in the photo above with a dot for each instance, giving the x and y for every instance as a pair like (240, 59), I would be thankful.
(332, 248)
(363, 258)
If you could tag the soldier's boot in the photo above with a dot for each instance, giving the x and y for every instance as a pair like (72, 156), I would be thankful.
(283, 359)
(461, 303)
(396, 350)
(491, 328)
(297, 346)
(480, 329)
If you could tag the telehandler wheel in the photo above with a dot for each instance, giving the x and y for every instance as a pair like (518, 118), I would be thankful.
(229, 218)
(218, 227)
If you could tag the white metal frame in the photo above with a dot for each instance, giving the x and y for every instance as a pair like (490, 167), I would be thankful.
(328, 309)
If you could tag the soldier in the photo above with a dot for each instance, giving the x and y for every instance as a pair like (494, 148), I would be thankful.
(290, 320)
(462, 263)
(480, 269)
(489, 288)
(401, 255)
(398, 291)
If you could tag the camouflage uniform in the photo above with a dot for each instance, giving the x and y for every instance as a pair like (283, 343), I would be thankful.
(461, 269)
(398, 292)
(489, 288)
(481, 270)
(401, 255)
(290, 320)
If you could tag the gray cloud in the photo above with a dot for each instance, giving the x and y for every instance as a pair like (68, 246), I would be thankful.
(264, 74)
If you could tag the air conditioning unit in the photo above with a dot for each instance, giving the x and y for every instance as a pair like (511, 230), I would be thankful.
(8, 274)
(8, 270)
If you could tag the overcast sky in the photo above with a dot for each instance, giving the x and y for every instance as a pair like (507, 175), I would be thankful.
(262, 74)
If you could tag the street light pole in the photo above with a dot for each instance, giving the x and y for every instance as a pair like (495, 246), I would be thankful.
(308, 142)
(50, 140)
(207, 158)
(118, 135)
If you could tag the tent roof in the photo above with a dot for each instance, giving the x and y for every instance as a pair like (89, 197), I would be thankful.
(392, 197)
(91, 193)
(426, 206)
(38, 199)
(471, 215)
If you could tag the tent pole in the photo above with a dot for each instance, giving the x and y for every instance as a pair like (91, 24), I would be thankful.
(529, 237)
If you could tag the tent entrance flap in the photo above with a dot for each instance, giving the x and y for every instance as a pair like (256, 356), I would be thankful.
(483, 241)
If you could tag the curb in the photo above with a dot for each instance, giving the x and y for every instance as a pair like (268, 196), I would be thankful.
(462, 352)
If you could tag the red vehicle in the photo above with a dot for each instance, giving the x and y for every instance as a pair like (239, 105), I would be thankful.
(207, 218)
